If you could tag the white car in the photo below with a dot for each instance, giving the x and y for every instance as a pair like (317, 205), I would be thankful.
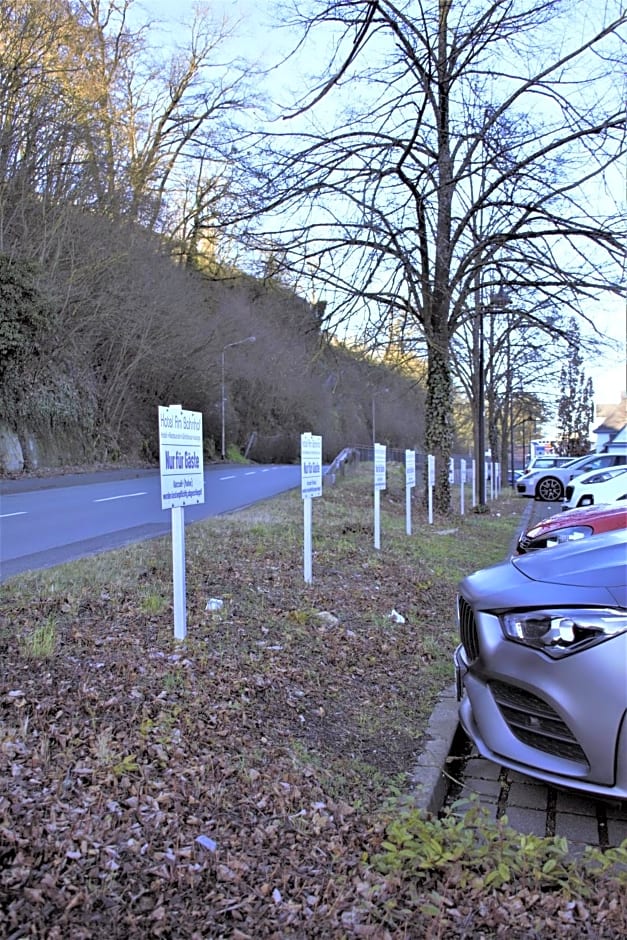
(546, 461)
(600, 486)
(550, 485)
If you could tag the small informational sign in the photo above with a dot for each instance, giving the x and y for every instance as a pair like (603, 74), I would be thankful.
(379, 466)
(410, 482)
(410, 468)
(379, 484)
(430, 470)
(180, 457)
(451, 470)
(310, 465)
(182, 484)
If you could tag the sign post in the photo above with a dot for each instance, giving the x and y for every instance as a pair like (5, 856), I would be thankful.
(462, 474)
(430, 484)
(310, 486)
(410, 481)
(182, 484)
(379, 484)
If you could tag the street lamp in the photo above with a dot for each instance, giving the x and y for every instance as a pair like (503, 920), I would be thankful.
(524, 422)
(248, 339)
(498, 301)
(374, 438)
(480, 458)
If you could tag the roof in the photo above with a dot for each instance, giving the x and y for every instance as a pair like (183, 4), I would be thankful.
(613, 417)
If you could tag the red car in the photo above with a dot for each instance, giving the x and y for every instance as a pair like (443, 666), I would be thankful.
(573, 525)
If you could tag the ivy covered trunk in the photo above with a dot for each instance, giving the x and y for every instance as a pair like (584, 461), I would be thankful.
(438, 430)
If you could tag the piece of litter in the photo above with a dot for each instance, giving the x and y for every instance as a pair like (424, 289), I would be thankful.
(207, 843)
(214, 603)
(396, 617)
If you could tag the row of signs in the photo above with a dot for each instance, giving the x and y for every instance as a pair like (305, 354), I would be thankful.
(181, 460)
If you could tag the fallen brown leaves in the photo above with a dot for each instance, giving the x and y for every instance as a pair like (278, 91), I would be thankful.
(235, 785)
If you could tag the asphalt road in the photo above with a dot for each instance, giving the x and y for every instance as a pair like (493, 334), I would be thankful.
(52, 520)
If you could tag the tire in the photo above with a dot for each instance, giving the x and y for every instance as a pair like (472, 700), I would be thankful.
(549, 489)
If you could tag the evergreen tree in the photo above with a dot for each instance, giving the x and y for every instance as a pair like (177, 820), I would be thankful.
(575, 411)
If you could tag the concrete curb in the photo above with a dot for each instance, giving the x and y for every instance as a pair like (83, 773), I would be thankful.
(429, 780)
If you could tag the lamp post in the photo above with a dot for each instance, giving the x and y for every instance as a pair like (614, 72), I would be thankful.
(247, 339)
(498, 300)
(374, 438)
(524, 422)
(481, 494)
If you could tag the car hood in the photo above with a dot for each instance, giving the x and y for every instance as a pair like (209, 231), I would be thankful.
(590, 571)
(584, 515)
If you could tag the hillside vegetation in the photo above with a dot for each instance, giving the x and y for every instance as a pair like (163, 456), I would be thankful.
(119, 289)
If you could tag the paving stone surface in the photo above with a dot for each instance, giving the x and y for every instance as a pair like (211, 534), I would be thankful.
(532, 807)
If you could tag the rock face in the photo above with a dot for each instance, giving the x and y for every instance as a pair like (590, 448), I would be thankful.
(11, 453)
(32, 449)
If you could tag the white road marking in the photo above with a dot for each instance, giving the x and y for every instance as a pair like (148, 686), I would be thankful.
(108, 499)
(7, 515)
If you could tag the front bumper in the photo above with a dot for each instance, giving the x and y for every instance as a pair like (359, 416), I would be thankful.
(528, 713)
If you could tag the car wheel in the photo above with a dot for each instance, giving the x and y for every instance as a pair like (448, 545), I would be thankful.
(549, 489)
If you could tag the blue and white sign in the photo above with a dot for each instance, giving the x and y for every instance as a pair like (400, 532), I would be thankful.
(410, 468)
(379, 466)
(180, 457)
(431, 470)
(310, 465)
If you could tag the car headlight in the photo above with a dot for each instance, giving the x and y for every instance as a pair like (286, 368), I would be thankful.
(537, 538)
(561, 632)
(600, 477)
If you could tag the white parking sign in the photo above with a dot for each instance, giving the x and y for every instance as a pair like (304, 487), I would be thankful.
(180, 457)
(310, 465)
(379, 466)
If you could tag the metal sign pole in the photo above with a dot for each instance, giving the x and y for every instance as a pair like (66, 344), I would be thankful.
(178, 572)
(410, 481)
(182, 484)
(379, 484)
(430, 482)
(310, 486)
(377, 518)
(307, 542)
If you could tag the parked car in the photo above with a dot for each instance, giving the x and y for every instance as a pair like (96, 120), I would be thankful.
(546, 461)
(600, 486)
(550, 485)
(514, 476)
(542, 665)
(572, 526)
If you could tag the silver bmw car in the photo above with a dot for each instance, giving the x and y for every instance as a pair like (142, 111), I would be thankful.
(542, 664)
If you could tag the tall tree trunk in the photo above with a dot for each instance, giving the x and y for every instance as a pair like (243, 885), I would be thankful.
(438, 429)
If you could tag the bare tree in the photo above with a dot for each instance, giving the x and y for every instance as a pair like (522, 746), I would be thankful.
(477, 153)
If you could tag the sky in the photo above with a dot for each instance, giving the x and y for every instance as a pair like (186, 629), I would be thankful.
(257, 38)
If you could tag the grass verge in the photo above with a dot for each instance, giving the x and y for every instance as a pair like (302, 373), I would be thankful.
(243, 783)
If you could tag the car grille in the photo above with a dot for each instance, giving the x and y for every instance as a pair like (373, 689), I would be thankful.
(467, 629)
(521, 487)
(570, 489)
(536, 723)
